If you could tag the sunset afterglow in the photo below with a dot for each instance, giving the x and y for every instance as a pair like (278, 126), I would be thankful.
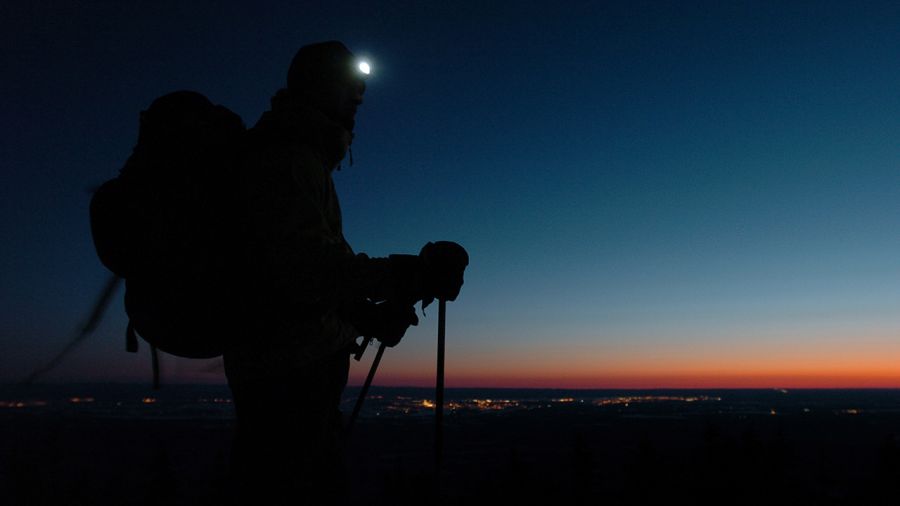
(698, 195)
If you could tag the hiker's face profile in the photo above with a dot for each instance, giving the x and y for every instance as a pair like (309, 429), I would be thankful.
(349, 98)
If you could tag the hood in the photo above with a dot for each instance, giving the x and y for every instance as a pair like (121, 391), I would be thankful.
(292, 120)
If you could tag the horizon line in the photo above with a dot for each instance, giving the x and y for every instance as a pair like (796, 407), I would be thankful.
(486, 387)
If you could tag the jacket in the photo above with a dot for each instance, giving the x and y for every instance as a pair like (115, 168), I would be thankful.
(300, 274)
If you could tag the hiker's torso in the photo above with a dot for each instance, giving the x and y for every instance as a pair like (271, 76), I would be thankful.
(293, 228)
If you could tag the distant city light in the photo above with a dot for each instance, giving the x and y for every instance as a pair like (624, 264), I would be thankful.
(626, 400)
(22, 404)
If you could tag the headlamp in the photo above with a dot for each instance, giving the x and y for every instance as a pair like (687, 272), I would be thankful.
(364, 67)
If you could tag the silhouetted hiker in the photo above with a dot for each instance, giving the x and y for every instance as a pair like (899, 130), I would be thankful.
(308, 295)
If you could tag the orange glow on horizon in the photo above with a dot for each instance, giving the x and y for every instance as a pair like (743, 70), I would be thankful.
(422, 374)
(833, 360)
(866, 359)
(684, 381)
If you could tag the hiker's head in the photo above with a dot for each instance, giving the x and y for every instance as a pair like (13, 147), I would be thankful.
(329, 77)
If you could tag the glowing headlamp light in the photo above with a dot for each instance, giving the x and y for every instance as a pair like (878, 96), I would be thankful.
(364, 67)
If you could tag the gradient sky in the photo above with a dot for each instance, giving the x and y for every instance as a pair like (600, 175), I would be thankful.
(680, 194)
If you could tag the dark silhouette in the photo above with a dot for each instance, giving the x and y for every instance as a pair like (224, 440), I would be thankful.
(307, 296)
(230, 243)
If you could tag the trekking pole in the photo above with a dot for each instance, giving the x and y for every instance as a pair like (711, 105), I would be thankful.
(366, 385)
(439, 390)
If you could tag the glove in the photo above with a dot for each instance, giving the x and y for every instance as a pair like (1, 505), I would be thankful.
(386, 322)
(436, 273)
(444, 264)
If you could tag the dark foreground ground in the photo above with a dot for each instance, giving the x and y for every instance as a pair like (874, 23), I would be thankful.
(507, 447)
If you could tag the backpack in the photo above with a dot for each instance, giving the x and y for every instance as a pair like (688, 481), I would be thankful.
(164, 224)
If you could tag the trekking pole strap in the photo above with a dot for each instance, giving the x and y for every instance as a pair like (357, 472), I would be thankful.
(361, 348)
(365, 388)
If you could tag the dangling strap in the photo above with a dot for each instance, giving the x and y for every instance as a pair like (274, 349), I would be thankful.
(131, 345)
(131, 342)
(154, 358)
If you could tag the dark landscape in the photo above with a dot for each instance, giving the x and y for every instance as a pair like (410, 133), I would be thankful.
(128, 444)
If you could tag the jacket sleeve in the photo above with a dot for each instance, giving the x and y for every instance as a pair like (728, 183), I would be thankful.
(296, 250)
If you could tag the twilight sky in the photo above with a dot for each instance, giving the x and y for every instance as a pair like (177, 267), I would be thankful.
(652, 194)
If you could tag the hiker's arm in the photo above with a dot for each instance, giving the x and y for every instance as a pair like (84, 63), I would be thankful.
(294, 220)
(435, 272)
(293, 237)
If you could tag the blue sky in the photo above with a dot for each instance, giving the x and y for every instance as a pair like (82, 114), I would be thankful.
(706, 179)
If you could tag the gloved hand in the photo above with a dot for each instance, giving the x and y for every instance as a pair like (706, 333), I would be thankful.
(444, 265)
(436, 273)
(387, 321)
